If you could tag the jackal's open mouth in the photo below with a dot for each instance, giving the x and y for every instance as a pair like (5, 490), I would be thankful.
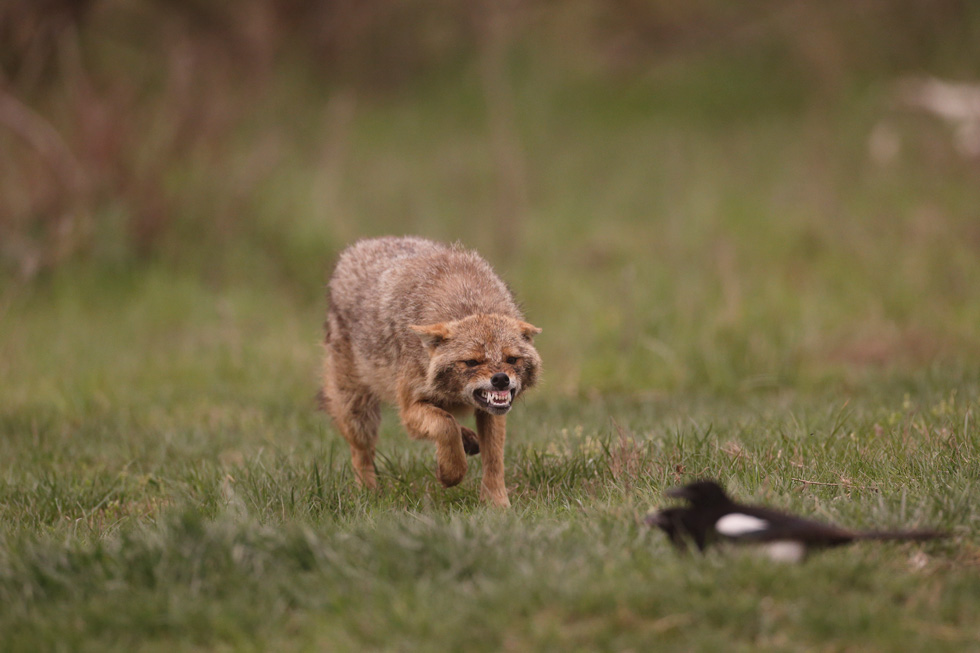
(494, 399)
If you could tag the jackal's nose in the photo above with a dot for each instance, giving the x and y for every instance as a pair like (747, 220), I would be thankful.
(500, 381)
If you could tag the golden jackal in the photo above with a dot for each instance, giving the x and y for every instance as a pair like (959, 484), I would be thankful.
(431, 329)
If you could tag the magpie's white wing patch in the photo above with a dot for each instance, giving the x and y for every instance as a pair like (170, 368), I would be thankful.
(736, 524)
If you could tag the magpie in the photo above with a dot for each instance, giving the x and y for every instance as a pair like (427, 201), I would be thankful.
(711, 515)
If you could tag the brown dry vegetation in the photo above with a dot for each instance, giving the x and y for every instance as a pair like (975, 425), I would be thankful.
(119, 120)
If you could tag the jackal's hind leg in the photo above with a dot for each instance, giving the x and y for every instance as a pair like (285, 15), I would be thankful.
(357, 414)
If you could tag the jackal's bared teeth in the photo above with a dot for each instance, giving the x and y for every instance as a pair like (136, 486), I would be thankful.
(496, 397)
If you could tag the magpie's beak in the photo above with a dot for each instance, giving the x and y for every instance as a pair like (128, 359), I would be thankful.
(678, 493)
(657, 519)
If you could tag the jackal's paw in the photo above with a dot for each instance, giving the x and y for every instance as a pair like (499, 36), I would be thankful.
(451, 475)
(471, 444)
(498, 499)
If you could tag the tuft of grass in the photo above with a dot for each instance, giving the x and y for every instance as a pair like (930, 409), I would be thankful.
(192, 501)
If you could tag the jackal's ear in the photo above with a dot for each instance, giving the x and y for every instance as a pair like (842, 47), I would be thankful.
(432, 335)
(529, 330)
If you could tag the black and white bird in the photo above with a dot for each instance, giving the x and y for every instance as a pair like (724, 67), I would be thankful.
(711, 515)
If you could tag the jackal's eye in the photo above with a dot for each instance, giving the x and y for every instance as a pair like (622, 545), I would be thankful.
(472, 362)
(512, 360)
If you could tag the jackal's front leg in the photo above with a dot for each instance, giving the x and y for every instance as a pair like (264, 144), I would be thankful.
(492, 432)
(425, 421)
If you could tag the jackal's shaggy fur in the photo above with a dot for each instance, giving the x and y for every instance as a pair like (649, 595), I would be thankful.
(433, 330)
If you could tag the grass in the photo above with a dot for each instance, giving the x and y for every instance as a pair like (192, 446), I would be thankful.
(173, 487)
(744, 296)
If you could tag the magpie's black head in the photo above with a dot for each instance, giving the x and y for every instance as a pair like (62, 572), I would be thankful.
(674, 522)
(701, 493)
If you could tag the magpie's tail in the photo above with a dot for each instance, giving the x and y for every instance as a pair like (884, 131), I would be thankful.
(901, 536)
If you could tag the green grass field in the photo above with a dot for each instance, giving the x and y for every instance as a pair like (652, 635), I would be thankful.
(736, 291)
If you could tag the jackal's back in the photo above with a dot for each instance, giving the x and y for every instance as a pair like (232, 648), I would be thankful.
(381, 286)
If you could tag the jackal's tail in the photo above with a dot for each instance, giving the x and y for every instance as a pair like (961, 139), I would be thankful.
(321, 400)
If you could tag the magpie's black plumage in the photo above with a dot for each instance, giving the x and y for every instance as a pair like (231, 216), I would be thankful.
(712, 515)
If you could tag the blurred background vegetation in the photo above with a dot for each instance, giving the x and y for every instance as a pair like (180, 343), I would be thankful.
(696, 194)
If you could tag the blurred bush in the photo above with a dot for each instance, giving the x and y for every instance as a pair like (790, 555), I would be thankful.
(128, 130)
